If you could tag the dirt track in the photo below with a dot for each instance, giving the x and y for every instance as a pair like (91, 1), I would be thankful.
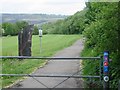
(57, 67)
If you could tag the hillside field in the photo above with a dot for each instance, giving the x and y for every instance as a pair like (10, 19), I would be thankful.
(50, 45)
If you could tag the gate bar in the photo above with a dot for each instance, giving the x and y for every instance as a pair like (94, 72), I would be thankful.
(49, 75)
(33, 57)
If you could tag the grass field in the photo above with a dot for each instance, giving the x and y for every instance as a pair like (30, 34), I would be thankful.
(50, 45)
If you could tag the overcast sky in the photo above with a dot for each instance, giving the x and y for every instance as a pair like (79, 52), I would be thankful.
(64, 7)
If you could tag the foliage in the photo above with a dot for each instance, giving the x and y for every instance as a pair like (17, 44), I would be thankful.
(35, 31)
(101, 34)
(21, 24)
(9, 29)
(71, 25)
(14, 28)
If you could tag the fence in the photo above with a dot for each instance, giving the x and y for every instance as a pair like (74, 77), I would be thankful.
(101, 76)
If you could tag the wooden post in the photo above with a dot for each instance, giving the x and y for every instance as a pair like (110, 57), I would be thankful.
(24, 41)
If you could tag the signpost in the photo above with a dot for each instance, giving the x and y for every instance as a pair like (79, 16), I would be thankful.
(106, 70)
(40, 35)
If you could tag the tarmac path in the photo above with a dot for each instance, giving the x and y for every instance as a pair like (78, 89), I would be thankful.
(57, 67)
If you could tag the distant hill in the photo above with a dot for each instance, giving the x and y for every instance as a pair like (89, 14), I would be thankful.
(31, 18)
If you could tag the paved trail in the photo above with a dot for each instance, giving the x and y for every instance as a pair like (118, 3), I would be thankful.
(57, 67)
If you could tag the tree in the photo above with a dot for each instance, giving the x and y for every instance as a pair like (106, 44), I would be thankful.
(9, 29)
(102, 34)
(71, 25)
(21, 24)
(35, 31)
(13, 28)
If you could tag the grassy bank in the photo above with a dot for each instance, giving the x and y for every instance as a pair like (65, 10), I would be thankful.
(92, 68)
(50, 45)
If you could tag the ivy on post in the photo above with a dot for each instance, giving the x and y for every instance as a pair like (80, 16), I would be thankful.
(24, 41)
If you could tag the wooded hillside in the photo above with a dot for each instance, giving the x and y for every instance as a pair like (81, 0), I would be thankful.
(99, 23)
(30, 18)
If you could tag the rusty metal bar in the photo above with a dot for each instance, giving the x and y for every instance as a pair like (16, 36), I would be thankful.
(53, 58)
(49, 75)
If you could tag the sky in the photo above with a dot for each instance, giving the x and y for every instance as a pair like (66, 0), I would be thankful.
(63, 7)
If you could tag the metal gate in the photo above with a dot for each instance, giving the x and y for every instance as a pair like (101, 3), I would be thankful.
(103, 69)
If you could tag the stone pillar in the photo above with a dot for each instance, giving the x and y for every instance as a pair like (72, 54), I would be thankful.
(25, 41)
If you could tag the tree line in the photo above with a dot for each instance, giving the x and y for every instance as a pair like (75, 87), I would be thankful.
(102, 33)
(14, 28)
(71, 25)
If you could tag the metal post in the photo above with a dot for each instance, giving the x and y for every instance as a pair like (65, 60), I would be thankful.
(40, 35)
(101, 69)
(40, 45)
(106, 70)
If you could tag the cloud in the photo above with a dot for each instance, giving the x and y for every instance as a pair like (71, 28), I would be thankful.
(42, 6)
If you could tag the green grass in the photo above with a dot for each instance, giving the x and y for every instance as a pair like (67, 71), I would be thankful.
(50, 45)
(92, 68)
